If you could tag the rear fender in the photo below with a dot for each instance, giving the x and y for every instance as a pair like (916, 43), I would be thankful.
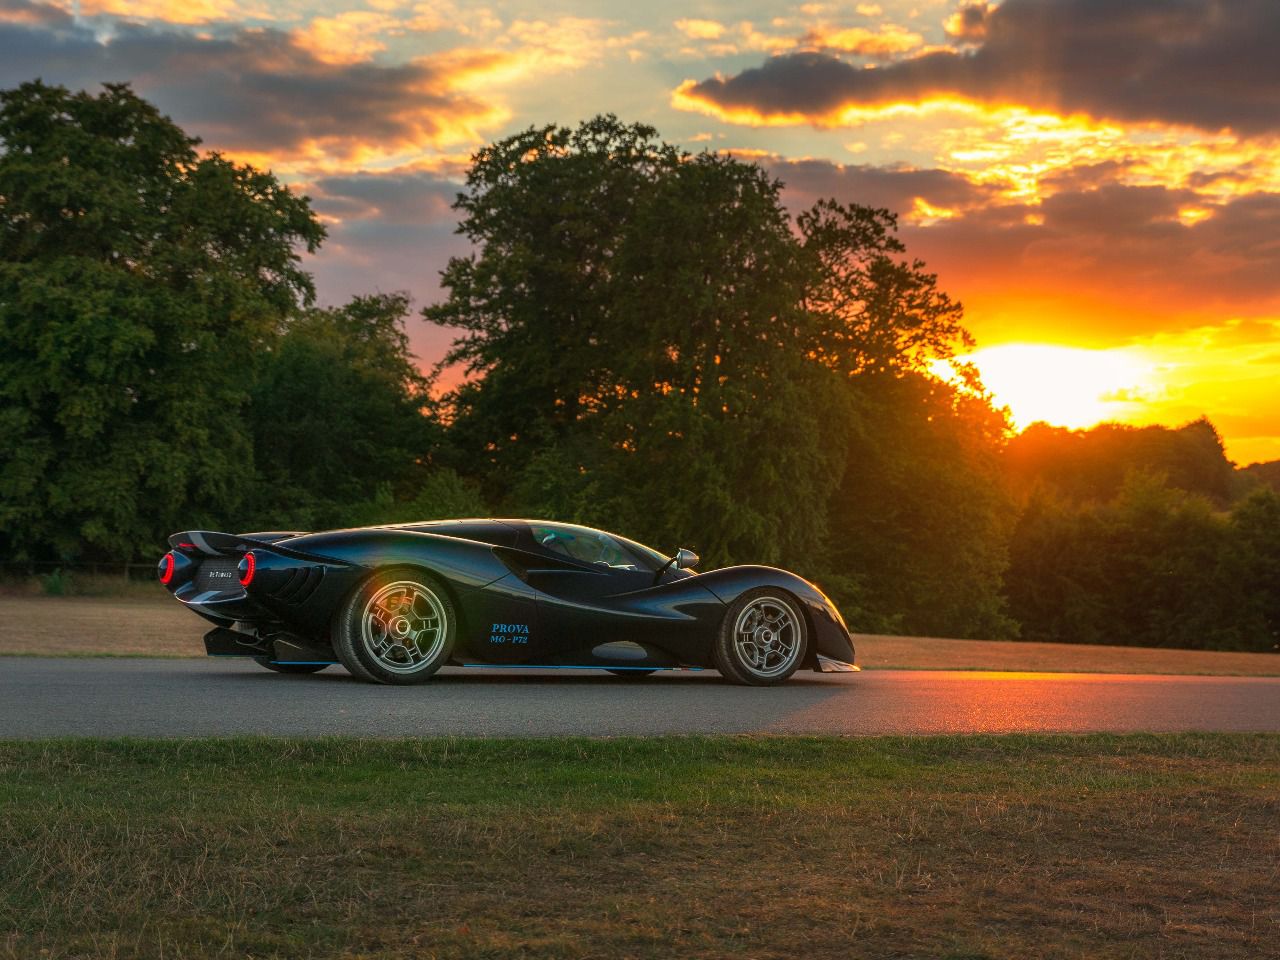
(462, 564)
(462, 567)
(289, 586)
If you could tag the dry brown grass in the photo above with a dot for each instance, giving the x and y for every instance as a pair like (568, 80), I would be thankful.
(99, 626)
(156, 626)
(977, 847)
(931, 653)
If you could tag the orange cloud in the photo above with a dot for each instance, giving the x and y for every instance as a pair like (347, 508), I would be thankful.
(346, 38)
(701, 29)
(174, 11)
(888, 41)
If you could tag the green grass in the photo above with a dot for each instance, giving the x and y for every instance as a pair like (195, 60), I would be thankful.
(1095, 846)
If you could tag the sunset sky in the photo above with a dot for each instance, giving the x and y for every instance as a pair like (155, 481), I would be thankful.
(1097, 180)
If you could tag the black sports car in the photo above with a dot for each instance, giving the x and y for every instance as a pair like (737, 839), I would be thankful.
(393, 604)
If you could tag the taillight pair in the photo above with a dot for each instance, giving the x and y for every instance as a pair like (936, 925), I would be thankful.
(247, 567)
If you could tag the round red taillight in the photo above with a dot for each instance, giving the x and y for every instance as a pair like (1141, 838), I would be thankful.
(166, 568)
(248, 566)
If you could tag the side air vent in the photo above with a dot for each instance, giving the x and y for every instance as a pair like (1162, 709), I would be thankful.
(300, 585)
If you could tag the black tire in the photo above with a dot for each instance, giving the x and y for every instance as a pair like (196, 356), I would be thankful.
(633, 674)
(411, 600)
(734, 665)
(290, 667)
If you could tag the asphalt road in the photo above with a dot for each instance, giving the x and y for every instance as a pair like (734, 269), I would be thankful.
(42, 697)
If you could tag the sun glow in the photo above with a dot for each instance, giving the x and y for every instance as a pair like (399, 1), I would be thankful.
(1065, 386)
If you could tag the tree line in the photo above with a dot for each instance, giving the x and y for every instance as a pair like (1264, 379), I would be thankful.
(646, 340)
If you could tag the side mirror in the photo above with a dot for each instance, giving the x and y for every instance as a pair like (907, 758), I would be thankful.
(686, 559)
(683, 560)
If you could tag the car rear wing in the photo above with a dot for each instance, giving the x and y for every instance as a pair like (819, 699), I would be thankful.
(212, 543)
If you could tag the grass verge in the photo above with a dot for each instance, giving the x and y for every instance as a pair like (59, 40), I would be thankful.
(975, 847)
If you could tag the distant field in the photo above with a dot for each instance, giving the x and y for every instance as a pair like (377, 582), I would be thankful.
(157, 627)
(969, 848)
(936, 654)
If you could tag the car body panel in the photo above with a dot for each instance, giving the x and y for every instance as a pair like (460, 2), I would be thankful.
(535, 593)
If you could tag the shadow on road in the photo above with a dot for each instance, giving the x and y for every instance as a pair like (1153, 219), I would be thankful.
(479, 676)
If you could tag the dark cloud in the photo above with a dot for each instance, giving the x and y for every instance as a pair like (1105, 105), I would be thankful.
(23, 11)
(1117, 259)
(970, 21)
(246, 89)
(894, 187)
(1118, 256)
(1210, 64)
(398, 196)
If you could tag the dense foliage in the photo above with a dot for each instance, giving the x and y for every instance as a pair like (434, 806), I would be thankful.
(922, 517)
(1152, 567)
(337, 415)
(1094, 464)
(633, 324)
(1142, 536)
(649, 341)
(137, 282)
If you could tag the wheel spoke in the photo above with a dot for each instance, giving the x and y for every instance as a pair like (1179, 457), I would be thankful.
(767, 637)
(404, 626)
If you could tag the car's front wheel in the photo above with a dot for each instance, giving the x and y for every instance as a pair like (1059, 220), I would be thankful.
(763, 638)
(399, 627)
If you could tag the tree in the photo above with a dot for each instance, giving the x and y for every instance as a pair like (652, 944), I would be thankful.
(1154, 567)
(1093, 464)
(546, 210)
(632, 322)
(1255, 522)
(138, 279)
(655, 345)
(879, 313)
(920, 523)
(337, 415)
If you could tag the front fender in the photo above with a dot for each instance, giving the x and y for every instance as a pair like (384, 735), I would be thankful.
(831, 637)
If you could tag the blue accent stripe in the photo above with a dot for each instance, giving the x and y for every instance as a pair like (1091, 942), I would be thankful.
(559, 666)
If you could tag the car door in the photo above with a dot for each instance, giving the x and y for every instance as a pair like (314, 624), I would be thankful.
(584, 572)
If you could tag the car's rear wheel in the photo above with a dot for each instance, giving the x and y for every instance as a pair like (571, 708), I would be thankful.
(399, 627)
(763, 638)
(290, 667)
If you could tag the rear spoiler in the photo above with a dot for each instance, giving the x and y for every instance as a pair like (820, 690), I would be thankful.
(215, 544)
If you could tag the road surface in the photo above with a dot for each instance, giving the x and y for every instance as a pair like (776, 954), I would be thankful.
(48, 697)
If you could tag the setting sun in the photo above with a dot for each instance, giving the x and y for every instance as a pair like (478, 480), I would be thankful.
(1064, 386)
